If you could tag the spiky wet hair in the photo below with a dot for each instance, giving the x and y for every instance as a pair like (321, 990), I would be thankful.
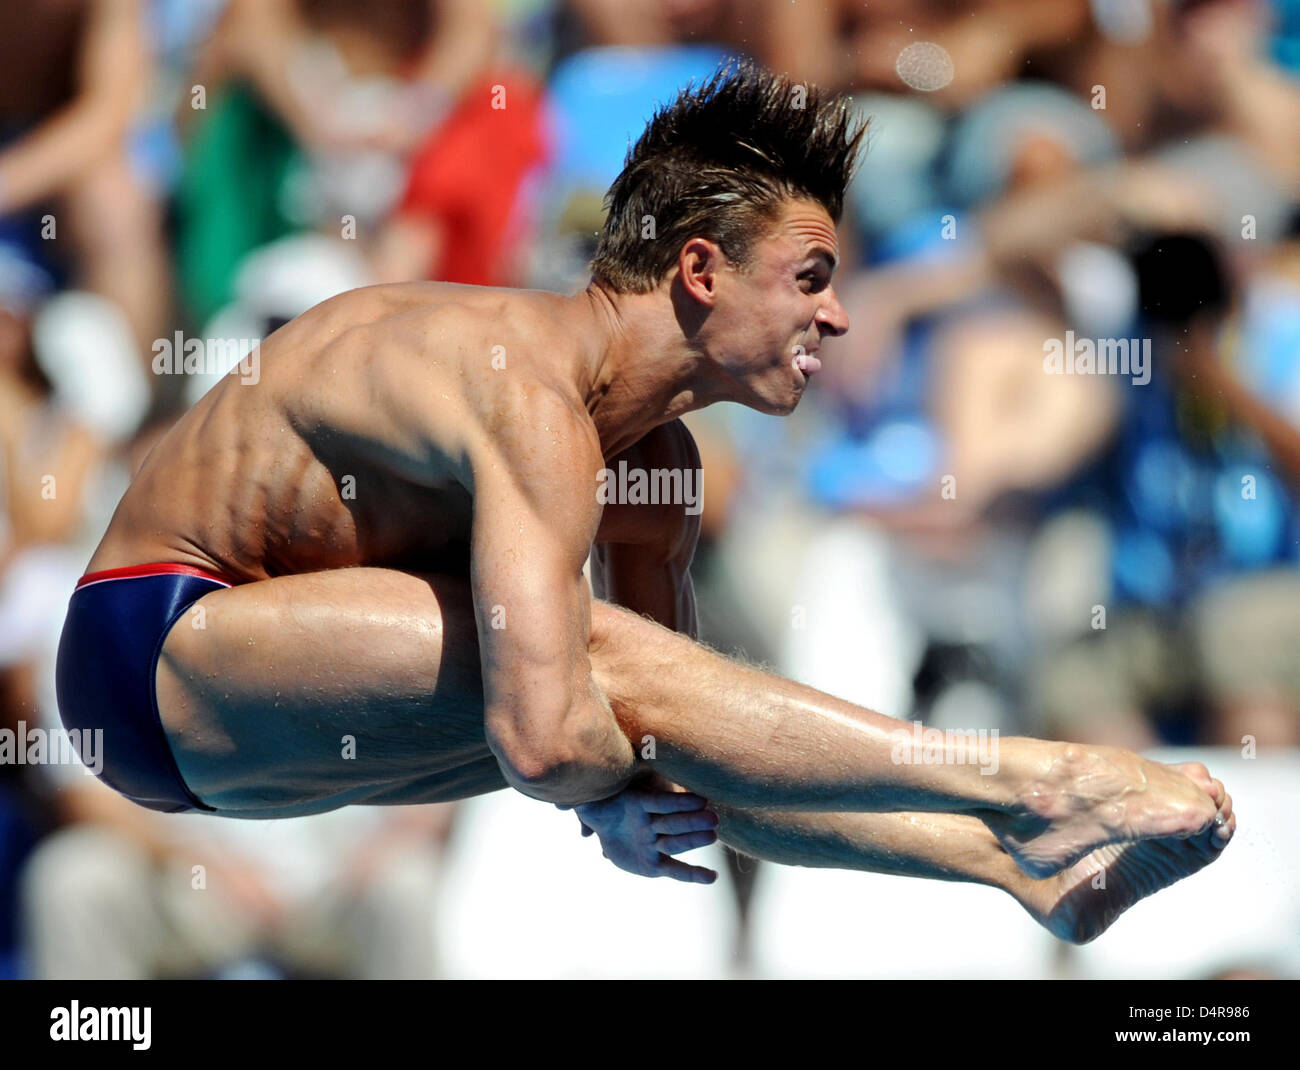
(717, 163)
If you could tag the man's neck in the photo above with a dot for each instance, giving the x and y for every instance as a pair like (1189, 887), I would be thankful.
(640, 371)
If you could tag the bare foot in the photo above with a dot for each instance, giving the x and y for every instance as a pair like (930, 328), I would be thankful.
(1087, 797)
(1080, 903)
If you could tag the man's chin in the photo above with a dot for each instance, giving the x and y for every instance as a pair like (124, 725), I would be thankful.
(781, 401)
(799, 387)
(778, 408)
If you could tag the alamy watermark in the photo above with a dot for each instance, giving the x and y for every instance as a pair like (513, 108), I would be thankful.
(1101, 356)
(54, 746)
(650, 486)
(179, 355)
(75, 1022)
(951, 746)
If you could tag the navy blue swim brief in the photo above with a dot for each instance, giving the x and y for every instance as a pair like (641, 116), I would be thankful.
(116, 624)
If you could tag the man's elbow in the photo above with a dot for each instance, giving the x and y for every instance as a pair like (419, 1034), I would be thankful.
(553, 766)
(532, 769)
(549, 776)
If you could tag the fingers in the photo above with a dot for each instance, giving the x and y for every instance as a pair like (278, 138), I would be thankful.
(691, 821)
(687, 841)
(671, 867)
(670, 802)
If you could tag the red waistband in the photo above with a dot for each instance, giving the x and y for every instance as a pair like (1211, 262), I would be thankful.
(159, 569)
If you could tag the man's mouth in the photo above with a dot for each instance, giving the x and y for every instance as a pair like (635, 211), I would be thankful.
(807, 363)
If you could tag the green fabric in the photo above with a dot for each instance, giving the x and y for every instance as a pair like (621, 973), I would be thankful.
(230, 198)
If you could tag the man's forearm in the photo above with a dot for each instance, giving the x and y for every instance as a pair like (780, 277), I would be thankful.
(664, 593)
(628, 577)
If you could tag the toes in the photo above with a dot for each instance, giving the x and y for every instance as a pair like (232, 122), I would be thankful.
(1225, 824)
(1197, 772)
(1199, 818)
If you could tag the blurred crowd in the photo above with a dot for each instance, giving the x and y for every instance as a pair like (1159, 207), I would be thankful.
(952, 528)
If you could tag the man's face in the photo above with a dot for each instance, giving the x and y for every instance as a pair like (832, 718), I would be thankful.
(771, 316)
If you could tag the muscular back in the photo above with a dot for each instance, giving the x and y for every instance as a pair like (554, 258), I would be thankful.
(359, 443)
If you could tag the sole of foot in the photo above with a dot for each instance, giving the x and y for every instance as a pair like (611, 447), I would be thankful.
(1088, 798)
(1082, 901)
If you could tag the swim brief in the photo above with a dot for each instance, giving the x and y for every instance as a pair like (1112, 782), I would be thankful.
(114, 632)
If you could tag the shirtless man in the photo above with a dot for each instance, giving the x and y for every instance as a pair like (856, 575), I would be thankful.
(360, 579)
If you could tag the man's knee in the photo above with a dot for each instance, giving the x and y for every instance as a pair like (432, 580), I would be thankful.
(614, 628)
(609, 624)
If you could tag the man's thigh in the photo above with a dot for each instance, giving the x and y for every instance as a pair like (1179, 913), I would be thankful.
(325, 689)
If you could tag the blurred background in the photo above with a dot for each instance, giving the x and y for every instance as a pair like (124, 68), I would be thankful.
(943, 531)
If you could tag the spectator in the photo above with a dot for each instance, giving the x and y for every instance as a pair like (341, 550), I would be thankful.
(71, 79)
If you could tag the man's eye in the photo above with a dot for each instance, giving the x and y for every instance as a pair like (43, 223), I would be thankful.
(812, 281)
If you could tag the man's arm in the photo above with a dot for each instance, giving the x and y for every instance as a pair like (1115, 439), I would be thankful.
(642, 556)
(641, 561)
(535, 515)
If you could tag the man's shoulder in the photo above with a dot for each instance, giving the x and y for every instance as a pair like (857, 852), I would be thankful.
(511, 348)
(534, 408)
(503, 336)
(440, 307)
(506, 347)
(492, 308)
(491, 362)
(535, 434)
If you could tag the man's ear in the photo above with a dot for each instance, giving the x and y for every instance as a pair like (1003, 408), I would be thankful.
(698, 266)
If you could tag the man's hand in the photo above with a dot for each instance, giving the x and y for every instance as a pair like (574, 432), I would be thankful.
(641, 827)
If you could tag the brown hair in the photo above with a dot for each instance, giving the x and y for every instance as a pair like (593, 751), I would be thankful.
(717, 163)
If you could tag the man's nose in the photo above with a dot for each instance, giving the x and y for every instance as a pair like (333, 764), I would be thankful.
(832, 315)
